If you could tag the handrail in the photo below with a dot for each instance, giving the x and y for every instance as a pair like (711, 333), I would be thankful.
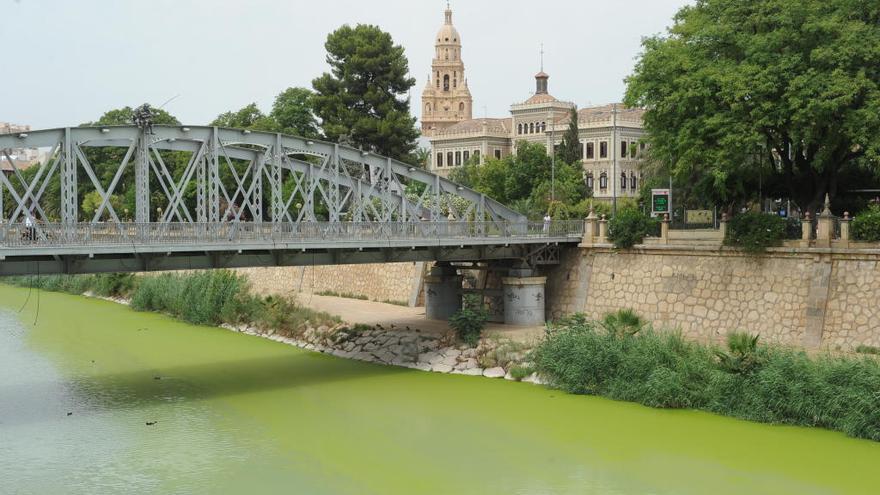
(169, 233)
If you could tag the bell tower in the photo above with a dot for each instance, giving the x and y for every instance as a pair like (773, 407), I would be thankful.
(446, 98)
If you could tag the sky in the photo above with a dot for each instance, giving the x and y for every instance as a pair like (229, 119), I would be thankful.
(69, 61)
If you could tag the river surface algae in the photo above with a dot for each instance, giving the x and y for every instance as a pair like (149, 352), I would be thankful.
(81, 378)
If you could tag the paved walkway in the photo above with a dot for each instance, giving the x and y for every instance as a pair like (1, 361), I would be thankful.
(401, 317)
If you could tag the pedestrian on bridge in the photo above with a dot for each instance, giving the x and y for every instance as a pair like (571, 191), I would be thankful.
(547, 221)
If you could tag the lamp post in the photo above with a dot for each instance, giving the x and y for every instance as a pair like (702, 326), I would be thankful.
(552, 158)
(614, 177)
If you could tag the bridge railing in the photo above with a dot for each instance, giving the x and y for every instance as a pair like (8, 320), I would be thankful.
(231, 233)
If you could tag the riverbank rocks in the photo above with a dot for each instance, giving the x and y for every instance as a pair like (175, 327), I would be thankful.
(411, 348)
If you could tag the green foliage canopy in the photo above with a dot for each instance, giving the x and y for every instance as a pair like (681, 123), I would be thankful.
(784, 91)
(363, 99)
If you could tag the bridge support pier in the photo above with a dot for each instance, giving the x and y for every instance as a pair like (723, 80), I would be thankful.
(524, 303)
(442, 292)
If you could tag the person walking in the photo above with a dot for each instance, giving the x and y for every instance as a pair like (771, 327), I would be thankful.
(547, 221)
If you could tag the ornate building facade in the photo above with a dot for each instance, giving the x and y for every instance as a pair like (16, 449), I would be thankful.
(446, 99)
(610, 135)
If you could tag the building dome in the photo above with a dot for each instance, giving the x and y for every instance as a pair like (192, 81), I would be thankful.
(447, 32)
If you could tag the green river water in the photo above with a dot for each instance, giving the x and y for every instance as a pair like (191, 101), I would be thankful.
(241, 414)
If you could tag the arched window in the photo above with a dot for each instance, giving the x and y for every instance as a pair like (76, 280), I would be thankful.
(543, 127)
(532, 128)
(461, 107)
(603, 181)
(623, 181)
(590, 183)
(428, 107)
(633, 181)
(519, 128)
(446, 82)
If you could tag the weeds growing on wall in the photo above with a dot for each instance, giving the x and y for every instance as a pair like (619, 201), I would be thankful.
(746, 379)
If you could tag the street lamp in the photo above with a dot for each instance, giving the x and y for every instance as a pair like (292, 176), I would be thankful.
(552, 158)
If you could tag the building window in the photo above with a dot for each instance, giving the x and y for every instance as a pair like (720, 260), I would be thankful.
(590, 181)
(476, 153)
(633, 147)
(532, 128)
(461, 107)
(428, 107)
(439, 159)
(623, 149)
(543, 127)
(449, 159)
(497, 153)
(590, 151)
(603, 181)
(457, 158)
(603, 149)
(467, 154)
(446, 82)
(519, 128)
(633, 182)
(623, 181)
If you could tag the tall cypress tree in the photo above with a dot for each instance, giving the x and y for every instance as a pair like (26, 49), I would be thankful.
(363, 99)
(570, 149)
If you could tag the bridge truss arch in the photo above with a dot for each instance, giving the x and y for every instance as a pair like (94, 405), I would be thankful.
(201, 174)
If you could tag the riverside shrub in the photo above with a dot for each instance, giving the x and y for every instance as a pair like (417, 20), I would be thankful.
(469, 321)
(629, 227)
(662, 369)
(203, 298)
(755, 232)
(866, 225)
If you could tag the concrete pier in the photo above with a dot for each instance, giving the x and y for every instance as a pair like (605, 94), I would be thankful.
(442, 292)
(524, 303)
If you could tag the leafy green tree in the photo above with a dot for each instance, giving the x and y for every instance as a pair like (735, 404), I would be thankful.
(783, 92)
(363, 99)
(293, 113)
(248, 117)
(123, 116)
(570, 148)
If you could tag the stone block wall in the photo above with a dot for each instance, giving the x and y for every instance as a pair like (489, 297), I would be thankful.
(794, 297)
(396, 282)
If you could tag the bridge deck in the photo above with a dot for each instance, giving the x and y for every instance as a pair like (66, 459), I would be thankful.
(84, 248)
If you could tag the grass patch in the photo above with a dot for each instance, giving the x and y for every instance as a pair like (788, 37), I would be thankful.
(346, 295)
(745, 379)
(868, 349)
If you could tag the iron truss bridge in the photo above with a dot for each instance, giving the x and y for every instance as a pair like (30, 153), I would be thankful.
(209, 197)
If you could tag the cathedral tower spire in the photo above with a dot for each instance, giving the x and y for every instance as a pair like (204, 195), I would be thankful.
(446, 98)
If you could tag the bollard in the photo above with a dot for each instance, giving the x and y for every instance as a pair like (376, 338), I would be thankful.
(806, 230)
(826, 225)
(664, 229)
(722, 227)
(844, 229)
(590, 228)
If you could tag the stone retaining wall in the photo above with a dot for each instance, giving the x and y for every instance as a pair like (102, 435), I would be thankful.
(796, 297)
(388, 282)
